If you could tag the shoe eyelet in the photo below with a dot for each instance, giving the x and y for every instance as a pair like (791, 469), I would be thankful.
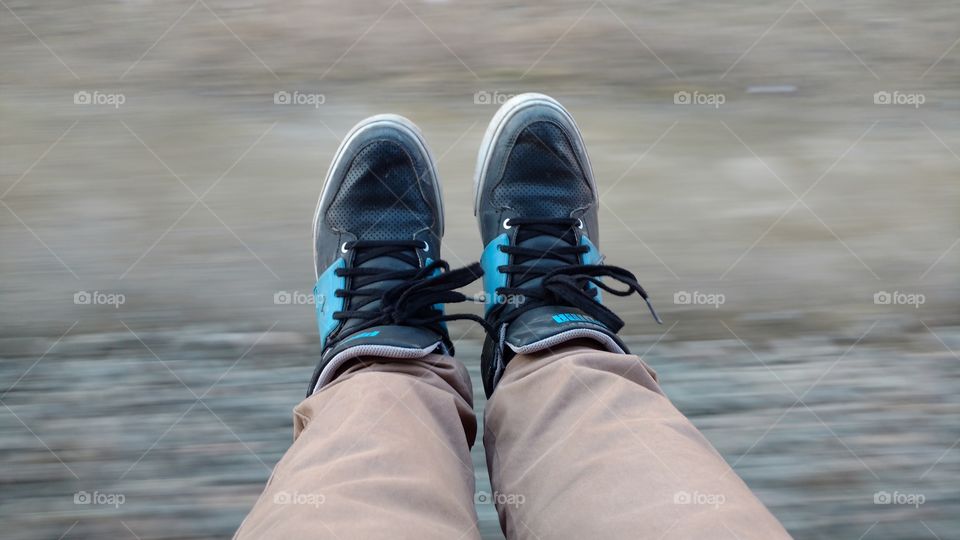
(579, 223)
(506, 224)
(343, 248)
(426, 247)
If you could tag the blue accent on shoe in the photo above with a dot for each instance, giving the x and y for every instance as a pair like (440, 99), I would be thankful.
(439, 307)
(326, 300)
(592, 257)
(490, 261)
(375, 333)
(561, 318)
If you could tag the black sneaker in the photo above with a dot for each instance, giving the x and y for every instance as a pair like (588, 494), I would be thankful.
(377, 229)
(536, 202)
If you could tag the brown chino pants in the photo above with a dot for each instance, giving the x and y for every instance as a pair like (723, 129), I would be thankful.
(580, 444)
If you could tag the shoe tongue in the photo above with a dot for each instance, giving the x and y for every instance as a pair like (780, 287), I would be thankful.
(387, 263)
(549, 326)
(544, 243)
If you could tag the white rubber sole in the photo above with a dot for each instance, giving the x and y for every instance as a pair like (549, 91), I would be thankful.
(495, 128)
(392, 120)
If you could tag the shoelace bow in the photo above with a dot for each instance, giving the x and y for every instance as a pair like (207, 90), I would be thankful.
(413, 301)
(571, 284)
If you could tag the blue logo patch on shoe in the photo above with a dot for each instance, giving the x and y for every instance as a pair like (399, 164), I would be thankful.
(363, 335)
(561, 318)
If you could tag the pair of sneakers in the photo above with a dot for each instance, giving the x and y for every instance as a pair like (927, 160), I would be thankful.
(381, 284)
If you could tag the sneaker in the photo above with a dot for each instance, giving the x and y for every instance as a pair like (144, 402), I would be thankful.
(536, 202)
(377, 229)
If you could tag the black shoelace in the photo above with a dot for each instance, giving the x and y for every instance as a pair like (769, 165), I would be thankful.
(412, 301)
(570, 284)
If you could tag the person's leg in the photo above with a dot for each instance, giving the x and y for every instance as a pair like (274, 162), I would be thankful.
(580, 440)
(583, 443)
(382, 452)
(382, 443)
